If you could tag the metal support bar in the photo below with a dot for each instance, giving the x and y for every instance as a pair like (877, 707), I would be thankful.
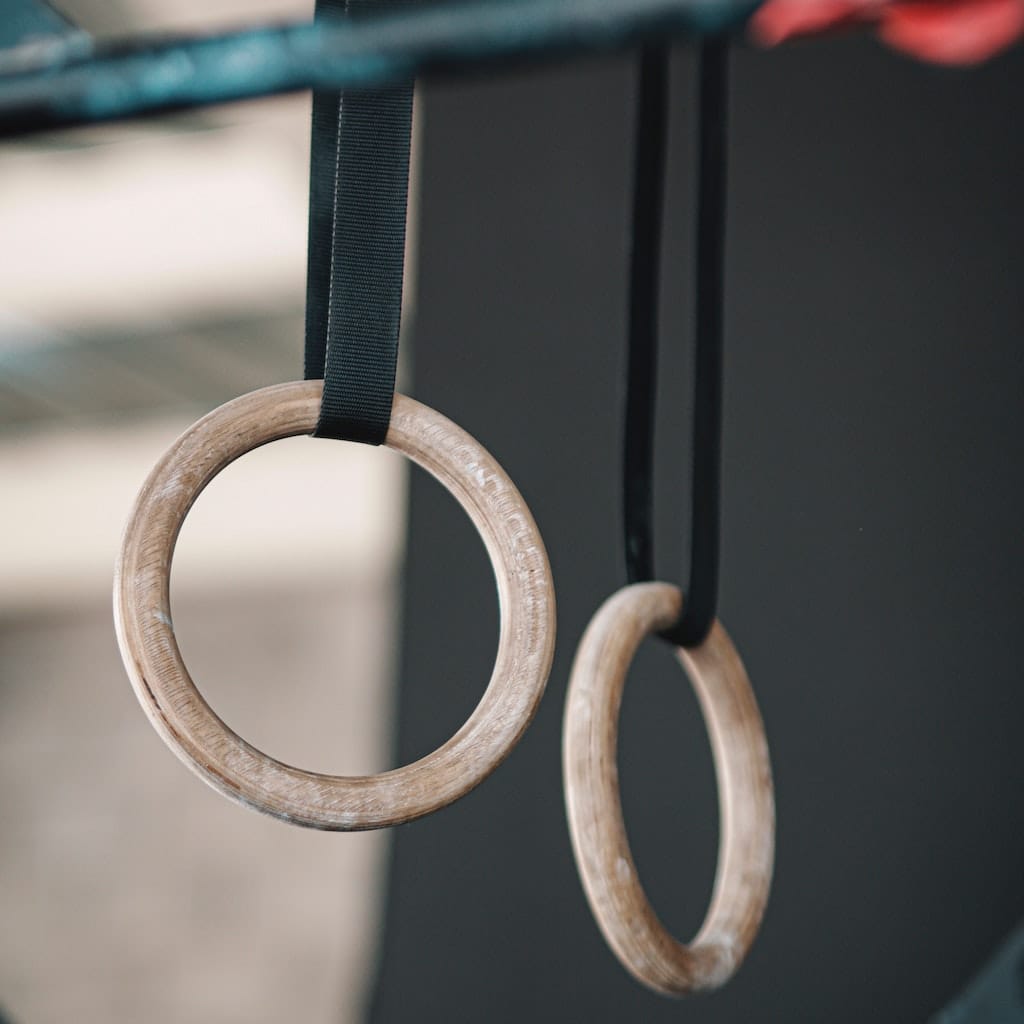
(112, 81)
(33, 35)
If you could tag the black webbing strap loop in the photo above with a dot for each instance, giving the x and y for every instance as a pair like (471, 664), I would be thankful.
(701, 592)
(358, 190)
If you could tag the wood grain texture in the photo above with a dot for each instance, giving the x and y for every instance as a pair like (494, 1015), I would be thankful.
(145, 631)
(747, 808)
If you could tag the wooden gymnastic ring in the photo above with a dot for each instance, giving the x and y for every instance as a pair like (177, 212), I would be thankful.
(229, 764)
(747, 808)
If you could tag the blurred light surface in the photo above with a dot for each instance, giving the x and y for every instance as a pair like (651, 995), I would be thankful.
(149, 272)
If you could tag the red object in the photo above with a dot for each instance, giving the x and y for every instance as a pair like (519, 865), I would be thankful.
(941, 31)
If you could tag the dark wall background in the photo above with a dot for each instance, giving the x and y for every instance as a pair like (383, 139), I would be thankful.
(872, 547)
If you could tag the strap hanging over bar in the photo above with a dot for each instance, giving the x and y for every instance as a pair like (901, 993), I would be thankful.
(701, 592)
(358, 192)
(644, 287)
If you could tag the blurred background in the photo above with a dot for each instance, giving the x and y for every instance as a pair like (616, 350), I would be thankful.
(150, 272)
(340, 614)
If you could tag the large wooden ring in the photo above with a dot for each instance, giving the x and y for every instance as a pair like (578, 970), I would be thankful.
(229, 764)
(747, 808)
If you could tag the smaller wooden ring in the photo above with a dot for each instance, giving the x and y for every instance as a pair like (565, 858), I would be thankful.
(191, 728)
(747, 808)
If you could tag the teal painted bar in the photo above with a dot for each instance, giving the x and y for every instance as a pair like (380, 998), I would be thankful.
(24, 22)
(141, 77)
(33, 35)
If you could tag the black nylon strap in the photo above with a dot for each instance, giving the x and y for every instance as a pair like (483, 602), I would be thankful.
(358, 191)
(701, 593)
(649, 148)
